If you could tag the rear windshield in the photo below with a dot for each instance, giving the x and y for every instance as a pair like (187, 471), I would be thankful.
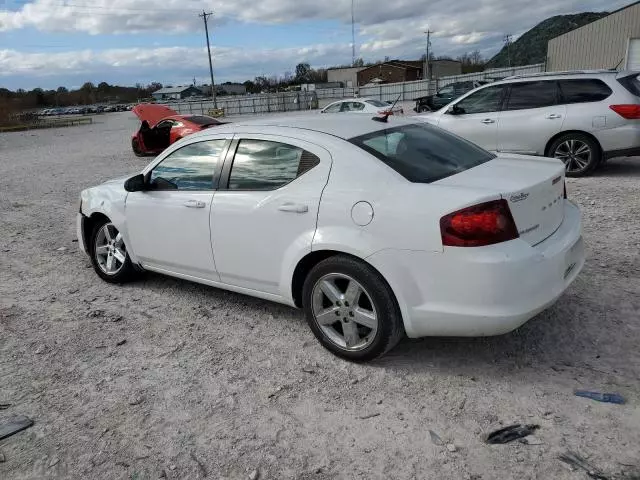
(422, 153)
(202, 120)
(631, 83)
(377, 103)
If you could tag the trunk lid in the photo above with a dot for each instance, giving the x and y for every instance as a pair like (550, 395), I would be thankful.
(152, 113)
(533, 187)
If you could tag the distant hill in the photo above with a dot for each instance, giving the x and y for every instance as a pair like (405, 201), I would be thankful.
(531, 47)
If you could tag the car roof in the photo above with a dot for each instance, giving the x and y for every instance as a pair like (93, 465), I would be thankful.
(338, 125)
(563, 74)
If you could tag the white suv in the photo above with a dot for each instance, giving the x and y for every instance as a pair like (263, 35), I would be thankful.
(581, 117)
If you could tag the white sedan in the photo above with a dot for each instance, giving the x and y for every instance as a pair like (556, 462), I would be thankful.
(375, 229)
(362, 105)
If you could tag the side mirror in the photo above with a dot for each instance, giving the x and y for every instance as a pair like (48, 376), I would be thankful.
(135, 184)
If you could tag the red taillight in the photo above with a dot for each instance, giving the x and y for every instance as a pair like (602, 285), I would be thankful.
(483, 224)
(385, 112)
(630, 112)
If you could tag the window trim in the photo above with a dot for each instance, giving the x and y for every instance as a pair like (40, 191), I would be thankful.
(507, 97)
(225, 175)
(216, 172)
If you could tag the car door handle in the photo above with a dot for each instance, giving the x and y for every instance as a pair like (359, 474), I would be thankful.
(553, 116)
(293, 208)
(487, 120)
(194, 204)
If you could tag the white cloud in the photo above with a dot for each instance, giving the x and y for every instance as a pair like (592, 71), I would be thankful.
(169, 65)
(392, 29)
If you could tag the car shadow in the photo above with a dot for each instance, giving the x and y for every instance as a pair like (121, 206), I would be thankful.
(571, 336)
(619, 167)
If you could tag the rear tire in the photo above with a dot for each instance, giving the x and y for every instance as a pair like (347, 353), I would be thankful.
(351, 309)
(424, 109)
(135, 145)
(109, 255)
(579, 152)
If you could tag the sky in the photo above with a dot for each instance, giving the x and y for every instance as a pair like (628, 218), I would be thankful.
(51, 43)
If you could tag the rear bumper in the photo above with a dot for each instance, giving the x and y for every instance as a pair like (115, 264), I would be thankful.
(483, 291)
(616, 141)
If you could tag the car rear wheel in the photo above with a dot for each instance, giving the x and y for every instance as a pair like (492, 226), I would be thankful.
(135, 145)
(423, 109)
(351, 309)
(109, 254)
(579, 153)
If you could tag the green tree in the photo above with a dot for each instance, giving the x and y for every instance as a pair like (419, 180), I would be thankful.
(302, 72)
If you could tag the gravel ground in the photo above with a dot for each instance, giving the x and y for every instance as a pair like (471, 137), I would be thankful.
(167, 379)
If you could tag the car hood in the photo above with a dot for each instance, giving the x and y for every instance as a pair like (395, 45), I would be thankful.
(152, 113)
(119, 180)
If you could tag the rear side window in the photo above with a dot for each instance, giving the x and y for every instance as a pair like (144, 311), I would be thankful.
(202, 120)
(266, 165)
(532, 95)
(583, 90)
(422, 153)
(631, 83)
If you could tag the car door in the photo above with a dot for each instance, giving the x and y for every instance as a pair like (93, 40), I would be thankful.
(530, 116)
(475, 117)
(265, 211)
(168, 223)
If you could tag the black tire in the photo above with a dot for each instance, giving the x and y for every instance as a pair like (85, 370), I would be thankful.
(126, 273)
(135, 145)
(576, 165)
(424, 109)
(390, 329)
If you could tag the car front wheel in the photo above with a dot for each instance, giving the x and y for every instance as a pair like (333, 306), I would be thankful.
(351, 309)
(579, 153)
(109, 254)
(135, 145)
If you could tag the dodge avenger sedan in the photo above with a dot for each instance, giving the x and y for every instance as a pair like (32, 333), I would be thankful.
(377, 228)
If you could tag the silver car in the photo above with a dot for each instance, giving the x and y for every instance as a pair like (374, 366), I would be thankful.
(582, 118)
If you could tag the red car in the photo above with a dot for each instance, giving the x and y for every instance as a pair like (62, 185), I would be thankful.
(162, 126)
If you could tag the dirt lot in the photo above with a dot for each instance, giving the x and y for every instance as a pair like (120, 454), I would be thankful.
(218, 385)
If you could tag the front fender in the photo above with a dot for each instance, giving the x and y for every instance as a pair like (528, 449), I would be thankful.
(108, 200)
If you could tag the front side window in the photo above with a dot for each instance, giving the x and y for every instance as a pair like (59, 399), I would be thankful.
(191, 167)
(584, 90)
(526, 95)
(422, 153)
(267, 165)
(483, 101)
(335, 108)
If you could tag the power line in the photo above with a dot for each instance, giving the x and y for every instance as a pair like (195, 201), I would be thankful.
(205, 16)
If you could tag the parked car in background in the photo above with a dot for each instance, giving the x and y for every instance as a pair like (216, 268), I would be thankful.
(581, 118)
(445, 95)
(162, 126)
(292, 210)
(370, 106)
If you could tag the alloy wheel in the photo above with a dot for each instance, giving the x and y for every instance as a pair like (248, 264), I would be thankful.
(344, 311)
(110, 251)
(575, 154)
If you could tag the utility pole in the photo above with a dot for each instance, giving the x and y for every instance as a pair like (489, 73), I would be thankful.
(425, 73)
(353, 36)
(507, 42)
(204, 16)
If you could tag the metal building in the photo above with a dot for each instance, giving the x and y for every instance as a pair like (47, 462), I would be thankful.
(348, 76)
(611, 42)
